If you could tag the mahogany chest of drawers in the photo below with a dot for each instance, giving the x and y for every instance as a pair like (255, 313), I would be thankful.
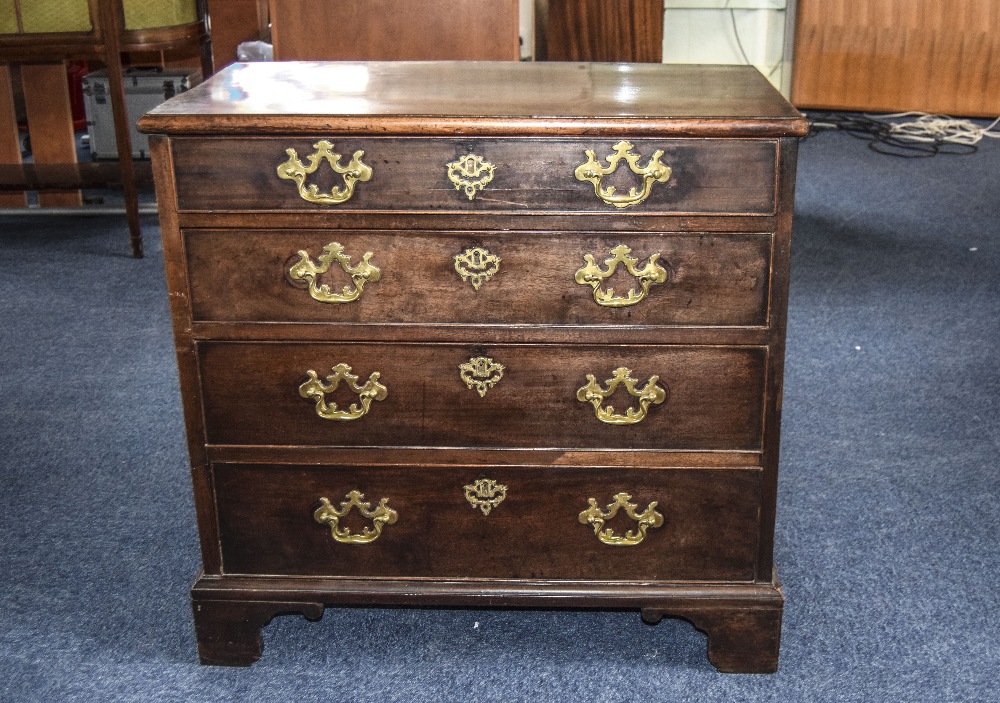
(481, 334)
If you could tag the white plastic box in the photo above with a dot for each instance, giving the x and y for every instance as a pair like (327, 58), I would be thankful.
(145, 88)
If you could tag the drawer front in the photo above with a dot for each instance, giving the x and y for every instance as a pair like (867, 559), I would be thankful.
(524, 175)
(704, 525)
(480, 277)
(703, 397)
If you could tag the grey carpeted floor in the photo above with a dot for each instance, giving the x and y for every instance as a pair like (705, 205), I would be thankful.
(889, 518)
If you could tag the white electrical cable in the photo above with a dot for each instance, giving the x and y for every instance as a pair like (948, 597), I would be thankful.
(938, 128)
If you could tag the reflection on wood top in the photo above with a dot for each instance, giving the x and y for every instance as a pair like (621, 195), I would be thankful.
(484, 98)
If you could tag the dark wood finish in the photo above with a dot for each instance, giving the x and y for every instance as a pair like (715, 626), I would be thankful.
(229, 631)
(714, 396)
(388, 30)
(601, 458)
(10, 145)
(262, 458)
(494, 98)
(604, 30)
(716, 609)
(709, 531)
(712, 176)
(741, 640)
(713, 279)
(235, 22)
(63, 176)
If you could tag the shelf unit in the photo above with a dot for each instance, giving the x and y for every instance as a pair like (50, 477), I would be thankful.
(98, 30)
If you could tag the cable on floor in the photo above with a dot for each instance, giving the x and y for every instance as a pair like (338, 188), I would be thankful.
(927, 135)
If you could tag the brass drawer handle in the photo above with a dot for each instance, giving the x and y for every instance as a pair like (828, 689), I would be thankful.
(596, 518)
(307, 271)
(485, 494)
(651, 394)
(470, 173)
(653, 172)
(315, 389)
(380, 516)
(295, 170)
(593, 275)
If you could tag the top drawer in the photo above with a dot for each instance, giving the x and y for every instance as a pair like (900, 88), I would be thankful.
(472, 175)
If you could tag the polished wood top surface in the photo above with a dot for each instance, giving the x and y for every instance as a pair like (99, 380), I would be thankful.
(485, 98)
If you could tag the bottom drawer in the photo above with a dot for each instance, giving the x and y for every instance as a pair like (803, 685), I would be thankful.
(530, 523)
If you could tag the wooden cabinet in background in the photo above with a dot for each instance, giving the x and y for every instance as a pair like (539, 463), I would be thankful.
(389, 30)
(601, 30)
(898, 55)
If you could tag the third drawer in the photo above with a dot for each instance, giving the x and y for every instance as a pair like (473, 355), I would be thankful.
(506, 396)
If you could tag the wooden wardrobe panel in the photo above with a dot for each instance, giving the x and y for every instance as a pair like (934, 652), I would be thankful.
(604, 30)
(388, 30)
(898, 55)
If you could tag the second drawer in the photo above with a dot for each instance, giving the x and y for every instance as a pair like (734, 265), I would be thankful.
(506, 396)
(480, 277)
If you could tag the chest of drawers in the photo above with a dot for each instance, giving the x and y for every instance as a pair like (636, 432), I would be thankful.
(481, 335)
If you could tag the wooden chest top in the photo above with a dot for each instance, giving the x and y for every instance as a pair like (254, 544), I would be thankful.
(485, 98)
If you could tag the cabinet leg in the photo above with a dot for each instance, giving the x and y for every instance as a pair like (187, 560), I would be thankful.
(229, 631)
(741, 640)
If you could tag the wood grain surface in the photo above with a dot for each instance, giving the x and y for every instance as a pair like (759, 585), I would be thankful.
(708, 175)
(604, 30)
(462, 98)
(898, 55)
(709, 533)
(715, 396)
(387, 30)
(712, 279)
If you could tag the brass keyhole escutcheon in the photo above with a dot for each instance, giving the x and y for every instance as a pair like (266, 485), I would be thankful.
(481, 373)
(485, 494)
(470, 173)
(477, 265)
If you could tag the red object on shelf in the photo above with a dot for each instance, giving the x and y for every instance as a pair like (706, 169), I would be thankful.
(76, 70)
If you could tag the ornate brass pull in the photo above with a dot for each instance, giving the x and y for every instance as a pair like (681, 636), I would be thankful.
(485, 494)
(592, 393)
(592, 275)
(596, 517)
(482, 373)
(470, 173)
(653, 172)
(477, 265)
(295, 170)
(315, 389)
(380, 516)
(305, 270)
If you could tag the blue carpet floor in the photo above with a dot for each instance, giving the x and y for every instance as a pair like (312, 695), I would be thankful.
(888, 538)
